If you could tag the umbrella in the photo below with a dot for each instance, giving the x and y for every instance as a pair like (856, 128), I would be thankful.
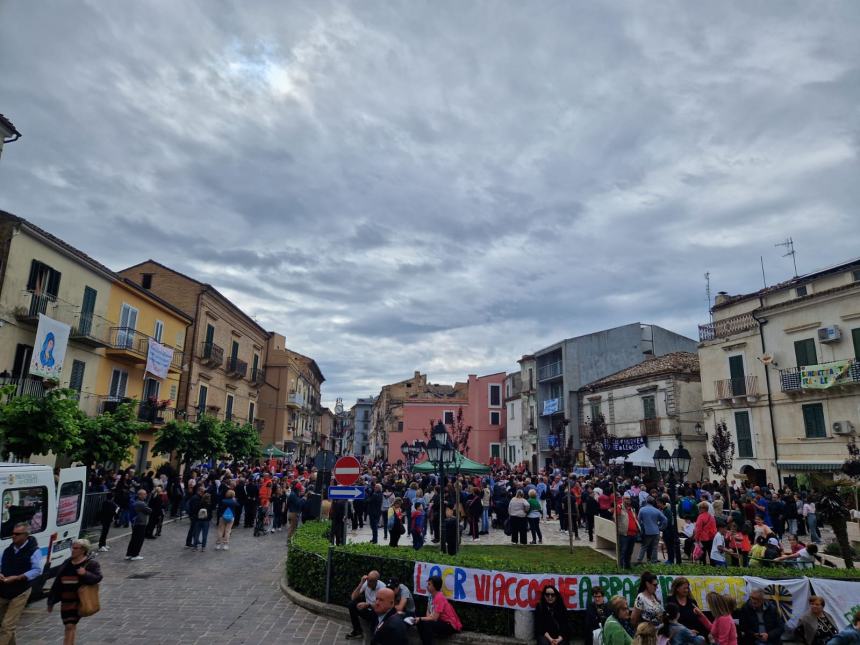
(643, 457)
(461, 463)
(273, 451)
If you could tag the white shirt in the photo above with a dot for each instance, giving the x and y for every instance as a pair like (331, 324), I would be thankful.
(716, 554)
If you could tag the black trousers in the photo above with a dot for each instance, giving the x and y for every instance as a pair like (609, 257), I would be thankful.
(250, 513)
(104, 533)
(356, 614)
(429, 629)
(519, 530)
(138, 534)
(589, 525)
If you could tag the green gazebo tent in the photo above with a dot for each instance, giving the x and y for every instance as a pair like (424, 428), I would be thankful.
(273, 451)
(461, 463)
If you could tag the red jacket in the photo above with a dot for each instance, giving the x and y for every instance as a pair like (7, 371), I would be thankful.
(706, 527)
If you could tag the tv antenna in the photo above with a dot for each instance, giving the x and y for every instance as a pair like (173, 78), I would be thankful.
(708, 292)
(789, 245)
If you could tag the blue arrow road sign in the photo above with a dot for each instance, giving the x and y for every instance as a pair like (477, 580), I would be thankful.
(345, 492)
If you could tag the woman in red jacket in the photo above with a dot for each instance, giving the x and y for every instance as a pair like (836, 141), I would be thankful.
(705, 530)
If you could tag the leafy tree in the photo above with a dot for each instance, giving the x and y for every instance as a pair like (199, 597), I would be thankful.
(36, 425)
(110, 436)
(171, 438)
(191, 442)
(460, 433)
(596, 442)
(833, 511)
(723, 454)
(241, 441)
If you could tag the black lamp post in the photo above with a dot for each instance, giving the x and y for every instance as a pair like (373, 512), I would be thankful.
(441, 453)
(412, 452)
(678, 463)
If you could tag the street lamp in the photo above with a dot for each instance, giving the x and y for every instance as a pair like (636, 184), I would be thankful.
(441, 453)
(678, 463)
(412, 452)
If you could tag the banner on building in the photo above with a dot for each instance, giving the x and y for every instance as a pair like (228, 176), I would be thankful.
(550, 406)
(158, 358)
(841, 599)
(619, 446)
(523, 590)
(49, 350)
(821, 377)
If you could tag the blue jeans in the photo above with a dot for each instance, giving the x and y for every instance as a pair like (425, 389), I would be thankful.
(626, 549)
(649, 546)
(385, 524)
(201, 532)
(417, 540)
(485, 520)
(374, 527)
(812, 525)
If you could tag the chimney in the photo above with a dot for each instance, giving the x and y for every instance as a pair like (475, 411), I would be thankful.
(417, 374)
(722, 296)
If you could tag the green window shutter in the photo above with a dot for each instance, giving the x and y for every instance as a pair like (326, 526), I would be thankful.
(813, 420)
(742, 428)
(210, 334)
(649, 407)
(76, 380)
(855, 335)
(804, 352)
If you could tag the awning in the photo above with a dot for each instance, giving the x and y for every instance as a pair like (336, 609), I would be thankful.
(644, 457)
(831, 466)
(461, 463)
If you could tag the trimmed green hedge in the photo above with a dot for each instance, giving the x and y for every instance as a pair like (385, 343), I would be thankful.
(306, 572)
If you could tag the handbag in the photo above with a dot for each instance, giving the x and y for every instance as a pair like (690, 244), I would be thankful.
(508, 526)
(698, 551)
(88, 600)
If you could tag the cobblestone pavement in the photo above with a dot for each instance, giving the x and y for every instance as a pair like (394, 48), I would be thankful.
(175, 595)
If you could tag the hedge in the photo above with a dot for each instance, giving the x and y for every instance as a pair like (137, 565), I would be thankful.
(306, 573)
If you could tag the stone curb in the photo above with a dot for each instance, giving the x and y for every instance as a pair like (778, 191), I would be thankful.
(335, 612)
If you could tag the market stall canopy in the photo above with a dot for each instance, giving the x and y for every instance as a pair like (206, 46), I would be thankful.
(461, 463)
(273, 451)
(643, 457)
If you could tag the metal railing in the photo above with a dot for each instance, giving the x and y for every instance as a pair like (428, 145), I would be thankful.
(296, 399)
(258, 375)
(128, 339)
(211, 354)
(31, 304)
(726, 327)
(791, 378)
(92, 506)
(734, 387)
(650, 427)
(25, 386)
(236, 367)
(549, 371)
(155, 415)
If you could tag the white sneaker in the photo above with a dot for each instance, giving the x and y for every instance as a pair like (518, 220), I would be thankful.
(217, 547)
(226, 547)
(104, 549)
(137, 557)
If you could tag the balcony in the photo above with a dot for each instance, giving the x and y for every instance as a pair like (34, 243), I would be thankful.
(737, 389)
(31, 304)
(295, 400)
(211, 355)
(650, 427)
(548, 408)
(154, 415)
(90, 330)
(726, 327)
(551, 371)
(130, 345)
(109, 404)
(25, 386)
(259, 425)
(820, 377)
(258, 376)
(236, 368)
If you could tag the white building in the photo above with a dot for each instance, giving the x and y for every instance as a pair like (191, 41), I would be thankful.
(513, 446)
(780, 367)
(528, 414)
(655, 402)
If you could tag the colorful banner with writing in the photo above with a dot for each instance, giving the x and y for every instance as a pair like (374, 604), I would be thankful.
(821, 377)
(49, 350)
(523, 590)
(841, 599)
(158, 358)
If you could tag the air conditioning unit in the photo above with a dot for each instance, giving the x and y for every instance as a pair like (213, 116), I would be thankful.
(843, 427)
(829, 334)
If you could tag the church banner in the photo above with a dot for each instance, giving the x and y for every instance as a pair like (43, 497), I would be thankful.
(158, 358)
(791, 597)
(49, 350)
(821, 377)
(841, 599)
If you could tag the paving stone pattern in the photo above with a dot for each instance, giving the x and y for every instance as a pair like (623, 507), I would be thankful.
(175, 595)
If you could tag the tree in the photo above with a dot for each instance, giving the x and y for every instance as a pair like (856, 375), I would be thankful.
(242, 442)
(460, 433)
(37, 425)
(171, 438)
(191, 442)
(596, 443)
(723, 454)
(110, 436)
(833, 511)
(851, 467)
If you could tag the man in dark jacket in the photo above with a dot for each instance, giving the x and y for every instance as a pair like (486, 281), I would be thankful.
(194, 505)
(252, 494)
(759, 622)
(389, 628)
(374, 511)
(142, 511)
(21, 564)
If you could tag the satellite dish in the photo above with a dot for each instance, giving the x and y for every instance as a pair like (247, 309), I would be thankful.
(767, 359)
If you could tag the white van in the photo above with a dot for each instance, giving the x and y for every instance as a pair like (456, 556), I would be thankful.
(54, 512)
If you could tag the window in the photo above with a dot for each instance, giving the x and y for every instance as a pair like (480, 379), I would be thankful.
(159, 331)
(151, 389)
(801, 291)
(855, 275)
(127, 325)
(399, 426)
(201, 398)
(448, 417)
(24, 505)
(531, 379)
(507, 389)
(210, 335)
(69, 504)
(495, 450)
(595, 410)
(495, 395)
(511, 408)
(254, 365)
(495, 418)
(738, 375)
(252, 409)
(228, 408)
(118, 384)
(146, 281)
(76, 380)
(43, 280)
(649, 407)
(234, 351)
(88, 305)
(855, 336)
(813, 420)
(742, 429)
(804, 352)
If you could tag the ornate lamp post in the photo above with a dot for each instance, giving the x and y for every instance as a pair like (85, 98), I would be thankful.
(441, 453)
(412, 452)
(678, 463)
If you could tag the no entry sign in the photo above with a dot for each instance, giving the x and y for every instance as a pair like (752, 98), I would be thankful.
(346, 471)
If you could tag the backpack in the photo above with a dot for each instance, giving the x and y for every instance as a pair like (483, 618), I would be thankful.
(203, 513)
(686, 506)
(227, 515)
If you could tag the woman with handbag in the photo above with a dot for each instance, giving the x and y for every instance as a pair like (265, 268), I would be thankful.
(76, 588)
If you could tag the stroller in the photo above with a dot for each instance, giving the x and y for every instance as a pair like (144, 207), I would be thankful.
(262, 522)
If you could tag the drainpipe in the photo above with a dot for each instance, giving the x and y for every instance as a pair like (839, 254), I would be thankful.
(193, 351)
(761, 324)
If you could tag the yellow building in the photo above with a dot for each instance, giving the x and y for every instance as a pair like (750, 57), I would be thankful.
(141, 318)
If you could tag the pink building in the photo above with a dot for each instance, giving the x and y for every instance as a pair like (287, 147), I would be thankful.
(482, 402)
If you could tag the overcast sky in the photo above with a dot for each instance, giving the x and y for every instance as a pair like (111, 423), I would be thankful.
(440, 186)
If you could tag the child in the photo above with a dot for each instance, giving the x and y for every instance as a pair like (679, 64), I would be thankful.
(723, 630)
(675, 631)
(450, 531)
(417, 525)
(646, 634)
